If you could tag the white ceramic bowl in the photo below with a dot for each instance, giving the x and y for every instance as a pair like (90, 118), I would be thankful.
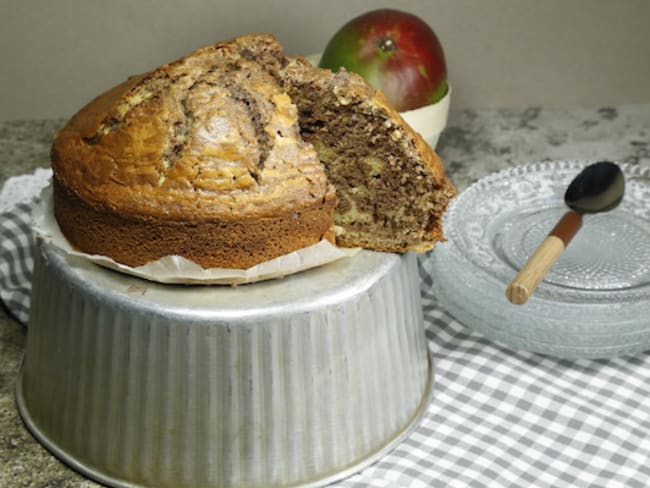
(429, 121)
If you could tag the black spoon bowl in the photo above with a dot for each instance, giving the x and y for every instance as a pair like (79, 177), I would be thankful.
(599, 187)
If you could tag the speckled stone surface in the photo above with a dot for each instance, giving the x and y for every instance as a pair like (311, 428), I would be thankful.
(474, 144)
(477, 143)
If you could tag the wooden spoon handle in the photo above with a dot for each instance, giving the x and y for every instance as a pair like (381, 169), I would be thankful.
(544, 258)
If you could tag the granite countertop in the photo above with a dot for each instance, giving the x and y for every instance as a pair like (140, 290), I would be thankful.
(474, 144)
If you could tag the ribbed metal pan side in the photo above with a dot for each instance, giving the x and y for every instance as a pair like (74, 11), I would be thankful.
(133, 396)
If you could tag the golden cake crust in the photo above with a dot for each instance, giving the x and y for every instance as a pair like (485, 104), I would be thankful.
(202, 150)
(211, 243)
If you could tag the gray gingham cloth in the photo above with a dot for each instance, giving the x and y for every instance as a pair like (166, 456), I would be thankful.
(16, 260)
(497, 418)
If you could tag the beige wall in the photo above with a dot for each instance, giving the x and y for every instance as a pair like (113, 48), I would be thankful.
(57, 54)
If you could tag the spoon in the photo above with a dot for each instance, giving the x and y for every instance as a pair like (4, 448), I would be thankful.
(597, 188)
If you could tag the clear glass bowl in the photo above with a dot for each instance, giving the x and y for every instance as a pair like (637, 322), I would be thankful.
(595, 301)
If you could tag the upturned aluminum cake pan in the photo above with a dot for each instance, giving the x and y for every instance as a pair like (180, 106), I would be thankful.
(292, 382)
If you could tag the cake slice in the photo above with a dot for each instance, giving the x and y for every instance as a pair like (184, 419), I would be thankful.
(391, 186)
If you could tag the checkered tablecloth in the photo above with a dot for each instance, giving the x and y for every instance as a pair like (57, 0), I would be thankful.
(498, 418)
